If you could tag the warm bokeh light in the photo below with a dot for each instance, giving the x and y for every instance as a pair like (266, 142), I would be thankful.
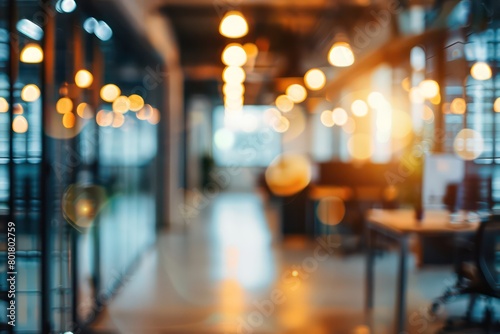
(32, 54)
(155, 117)
(359, 108)
(315, 79)
(121, 104)
(18, 109)
(406, 84)
(64, 105)
(496, 105)
(69, 120)
(341, 55)
(339, 116)
(297, 93)
(458, 106)
(19, 124)
(436, 100)
(84, 111)
(251, 50)
(376, 100)
(468, 144)
(281, 124)
(416, 96)
(234, 55)
(145, 113)
(327, 118)
(233, 90)
(233, 25)
(233, 75)
(271, 115)
(360, 146)
(284, 103)
(118, 119)
(481, 71)
(330, 210)
(429, 88)
(428, 114)
(288, 174)
(84, 79)
(110, 92)
(4, 105)
(104, 118)
(136, 102)
(30, 93)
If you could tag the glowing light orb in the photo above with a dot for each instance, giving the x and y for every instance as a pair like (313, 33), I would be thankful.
(315, 79)
(341, 55)
(297, 93)
(281, 124)
(327, 118)
(234, 55)
(19, 124)
(339, 116)
(330, 210)
(155, 117)
(84, 79)
(104, 118)
(458, 106)
(110, 92)
(496, 105)
(118, 119)
(288, 174)
(32, 54)
(64, 105)
(84, 111)
(69, 120)
(145, 113)
(429, 88)
(136, 102)
(233, 25)
(416, 96)
(4, 105)
(359, 108)
(121, 104)
(284, 103)
(468, 144)
(481, 71)
(233, 75)
(271, 115)
(30, 93)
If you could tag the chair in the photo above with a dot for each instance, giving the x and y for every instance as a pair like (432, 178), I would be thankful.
(480, 277)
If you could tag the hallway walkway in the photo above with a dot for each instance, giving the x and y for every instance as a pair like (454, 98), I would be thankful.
(228, 272)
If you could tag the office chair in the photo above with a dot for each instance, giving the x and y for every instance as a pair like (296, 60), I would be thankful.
(478, 278)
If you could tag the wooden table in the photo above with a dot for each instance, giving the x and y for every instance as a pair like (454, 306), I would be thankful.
(399, 225)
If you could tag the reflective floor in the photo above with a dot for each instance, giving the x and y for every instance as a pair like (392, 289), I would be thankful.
(228, 272)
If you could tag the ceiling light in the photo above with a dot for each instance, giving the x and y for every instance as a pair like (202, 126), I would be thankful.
(297, 93)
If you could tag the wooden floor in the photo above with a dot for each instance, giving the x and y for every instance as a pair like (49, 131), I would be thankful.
(228, 272)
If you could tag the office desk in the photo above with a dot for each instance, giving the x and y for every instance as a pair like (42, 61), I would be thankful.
(399, 225)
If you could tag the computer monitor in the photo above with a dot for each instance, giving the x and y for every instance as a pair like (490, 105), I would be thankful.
(439, 171)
